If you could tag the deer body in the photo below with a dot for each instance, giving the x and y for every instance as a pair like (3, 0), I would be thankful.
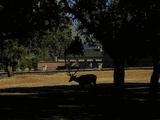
(83, 80)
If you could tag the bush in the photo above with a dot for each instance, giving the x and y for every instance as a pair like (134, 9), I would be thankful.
(28, 63)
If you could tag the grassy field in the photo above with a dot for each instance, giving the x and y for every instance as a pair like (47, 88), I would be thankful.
(131, 76)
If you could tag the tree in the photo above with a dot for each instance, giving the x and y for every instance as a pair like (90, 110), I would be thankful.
(76, 47)
(25, 19)
(14, 26)
(121, 25)
(58, 41)
(11, 52)
(51, 43)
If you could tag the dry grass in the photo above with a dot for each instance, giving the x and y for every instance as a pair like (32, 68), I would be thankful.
(136, 76)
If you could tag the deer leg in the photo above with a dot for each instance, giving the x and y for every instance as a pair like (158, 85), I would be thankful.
(94, 83)
(155, 77)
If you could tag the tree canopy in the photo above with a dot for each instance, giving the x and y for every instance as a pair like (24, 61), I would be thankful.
(120, 25)
(76, 47)
(26, 23)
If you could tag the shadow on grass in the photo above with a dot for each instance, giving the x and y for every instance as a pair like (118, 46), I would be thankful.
(72, 103)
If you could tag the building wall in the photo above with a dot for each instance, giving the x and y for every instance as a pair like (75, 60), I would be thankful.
(49, 66)
(82, 63)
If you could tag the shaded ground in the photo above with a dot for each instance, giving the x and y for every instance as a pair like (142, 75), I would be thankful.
(71, 103)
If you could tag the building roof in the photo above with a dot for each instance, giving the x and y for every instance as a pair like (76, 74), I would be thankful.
(93, 53)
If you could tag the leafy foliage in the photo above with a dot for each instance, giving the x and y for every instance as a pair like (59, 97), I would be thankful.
(32, 26)
(119, 24)
(76, 47)
(11, 51)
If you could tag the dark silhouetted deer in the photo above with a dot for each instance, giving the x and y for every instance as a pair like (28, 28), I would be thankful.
(84, 80)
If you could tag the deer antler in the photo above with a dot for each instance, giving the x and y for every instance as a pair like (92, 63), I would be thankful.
(69, 71)
(76, 70)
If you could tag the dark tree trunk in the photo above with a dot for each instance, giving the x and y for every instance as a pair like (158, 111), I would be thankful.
(65, 58)
(9, 71)
(119, 74)
(155, 77)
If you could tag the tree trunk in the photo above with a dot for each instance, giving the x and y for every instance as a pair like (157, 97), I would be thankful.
(65, 58)
(155, 77)
(119, 74)
(9, 71)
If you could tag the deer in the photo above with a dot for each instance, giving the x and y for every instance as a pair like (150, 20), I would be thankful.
(83, 80)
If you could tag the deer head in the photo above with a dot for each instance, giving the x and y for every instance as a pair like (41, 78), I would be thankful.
(72, 78)
(72, 74)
